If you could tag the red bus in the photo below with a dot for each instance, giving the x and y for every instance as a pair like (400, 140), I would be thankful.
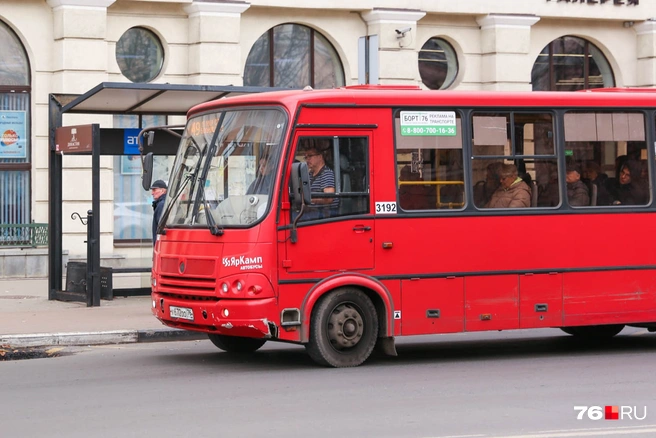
(340, 219)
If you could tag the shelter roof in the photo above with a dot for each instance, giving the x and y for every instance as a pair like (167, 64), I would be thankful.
(151, 99)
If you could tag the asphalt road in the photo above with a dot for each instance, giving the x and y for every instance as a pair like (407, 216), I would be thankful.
(511, 384)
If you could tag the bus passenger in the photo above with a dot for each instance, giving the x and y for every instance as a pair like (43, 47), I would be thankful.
(595, 176)
(322, 180)
(549, 195)
(577, 192)
(513, 191)
(483, 190)
(629, 188)
(414, 196)
(262, 183)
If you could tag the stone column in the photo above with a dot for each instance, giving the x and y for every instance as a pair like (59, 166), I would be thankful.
(646, 35)
(214, 45)
(398, 45)
(80, 46)
(505, 43)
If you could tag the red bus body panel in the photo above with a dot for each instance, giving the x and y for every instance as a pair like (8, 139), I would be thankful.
(426, 274)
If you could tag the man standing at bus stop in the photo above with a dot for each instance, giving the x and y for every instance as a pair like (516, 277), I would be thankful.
(158, 190)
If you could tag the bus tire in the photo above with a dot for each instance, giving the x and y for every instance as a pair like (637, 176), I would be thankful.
(236, 344)
(343, 329)
(594, 332)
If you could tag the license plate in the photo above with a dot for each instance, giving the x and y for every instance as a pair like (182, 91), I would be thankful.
(182, 313)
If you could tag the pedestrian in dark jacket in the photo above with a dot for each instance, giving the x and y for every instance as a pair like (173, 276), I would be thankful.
(158, 190)
(577, 192)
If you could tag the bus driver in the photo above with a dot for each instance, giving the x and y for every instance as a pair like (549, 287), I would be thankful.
(322, 180)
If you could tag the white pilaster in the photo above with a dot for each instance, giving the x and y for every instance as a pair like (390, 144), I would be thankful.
(398, 45)
(214, 45)
(505, 42)
(646, 53)
(79, 50)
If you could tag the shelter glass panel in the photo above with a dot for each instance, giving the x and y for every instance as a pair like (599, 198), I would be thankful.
(133, 211)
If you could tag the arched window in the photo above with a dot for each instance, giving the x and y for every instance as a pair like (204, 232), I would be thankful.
(571, 63)
(438, 64)
(293, 56)
(139, 54)
(15, 120)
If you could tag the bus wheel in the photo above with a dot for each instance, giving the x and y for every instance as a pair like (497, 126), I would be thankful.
(343, 329)
(594, 331)
(236, 344)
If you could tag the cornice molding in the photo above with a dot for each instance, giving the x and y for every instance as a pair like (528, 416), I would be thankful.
(397, 16)
(646, 27)
(54, 4)
(494, 21)
(222, 9)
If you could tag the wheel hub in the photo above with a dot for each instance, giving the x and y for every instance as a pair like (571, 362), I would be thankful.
(345, 327)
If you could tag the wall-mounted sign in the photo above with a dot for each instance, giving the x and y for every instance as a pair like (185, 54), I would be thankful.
(71, 139)
(130, 141)
(12, 134)
(601, 2)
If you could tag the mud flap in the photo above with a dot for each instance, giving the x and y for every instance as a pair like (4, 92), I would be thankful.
(386, 346)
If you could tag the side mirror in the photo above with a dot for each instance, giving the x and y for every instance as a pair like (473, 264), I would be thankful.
(300, 182)
(147, 171)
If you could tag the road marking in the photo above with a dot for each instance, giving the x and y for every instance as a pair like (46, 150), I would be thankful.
(650, 429)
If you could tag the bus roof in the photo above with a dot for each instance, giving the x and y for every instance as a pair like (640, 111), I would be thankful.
(399, 95)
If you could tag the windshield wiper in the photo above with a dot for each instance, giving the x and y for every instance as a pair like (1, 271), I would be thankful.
(215, 230)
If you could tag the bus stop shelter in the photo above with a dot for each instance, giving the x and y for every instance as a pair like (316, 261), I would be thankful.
(110, 98)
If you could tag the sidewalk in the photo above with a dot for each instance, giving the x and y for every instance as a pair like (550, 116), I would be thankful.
(29, 319)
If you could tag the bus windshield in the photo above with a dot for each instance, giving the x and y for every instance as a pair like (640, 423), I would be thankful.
(225, 167)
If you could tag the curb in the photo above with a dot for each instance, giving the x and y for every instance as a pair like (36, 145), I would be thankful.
(99, 338)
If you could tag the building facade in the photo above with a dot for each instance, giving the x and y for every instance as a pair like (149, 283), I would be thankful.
(70, 46)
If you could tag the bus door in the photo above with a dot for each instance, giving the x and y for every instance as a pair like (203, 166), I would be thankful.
(335, 232)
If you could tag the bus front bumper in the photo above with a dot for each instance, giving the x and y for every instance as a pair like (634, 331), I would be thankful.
(251, 318)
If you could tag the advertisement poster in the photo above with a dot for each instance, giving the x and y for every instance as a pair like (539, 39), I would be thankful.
(130, 165)
(12, 135)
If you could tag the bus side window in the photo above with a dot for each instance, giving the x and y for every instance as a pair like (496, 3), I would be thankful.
(429, 165)
(342, 164)
(508, 146)
(611, 151)
(354, 175)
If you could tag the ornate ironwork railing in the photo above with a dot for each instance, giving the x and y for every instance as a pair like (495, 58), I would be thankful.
(23, 235)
